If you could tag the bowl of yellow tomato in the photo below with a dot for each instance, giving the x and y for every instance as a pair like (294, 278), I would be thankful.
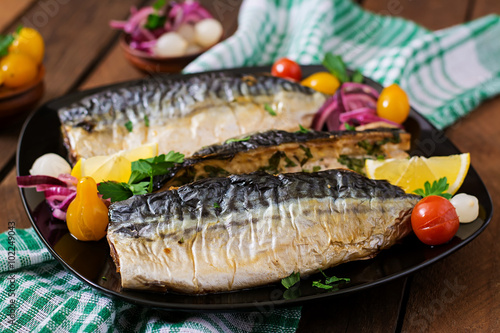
(21, 71)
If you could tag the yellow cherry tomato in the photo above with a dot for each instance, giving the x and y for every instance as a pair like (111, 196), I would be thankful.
(87, 215)
(17, 70)
(30, 42)
(393, 104)
(323, 82)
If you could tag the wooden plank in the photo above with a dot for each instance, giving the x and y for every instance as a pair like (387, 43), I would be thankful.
(12, 206)
(484, 7)
(11, 10)
(372, 310)
(431, 14)
(462, 293)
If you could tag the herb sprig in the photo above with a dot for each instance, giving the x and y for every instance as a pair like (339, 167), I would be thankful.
(290, 280)
(138, 182)
(335, 65)
(6, 40)
(437, 188)
(155, 20)
(331, 282)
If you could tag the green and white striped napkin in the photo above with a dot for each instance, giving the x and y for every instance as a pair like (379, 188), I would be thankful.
(446, 73)
(38, 295)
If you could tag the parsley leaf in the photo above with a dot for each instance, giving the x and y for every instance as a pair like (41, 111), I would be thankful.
(302, 129)
(146, 120)
(155, 20)
(329, 280)
(290, 280)
(114, 191)
(237, 140)
(129, 126)
(336, 66)
(357, 77)
(437, 188)
(349, 127)
(216, 205)
(5, 42)
(269, 109)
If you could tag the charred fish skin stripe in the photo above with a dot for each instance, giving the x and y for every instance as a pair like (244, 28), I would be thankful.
(278, 137)
(239, 193)
(168, 98)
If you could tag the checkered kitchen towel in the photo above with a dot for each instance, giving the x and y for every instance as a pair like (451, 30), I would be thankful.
(38, 295)
(446, 73)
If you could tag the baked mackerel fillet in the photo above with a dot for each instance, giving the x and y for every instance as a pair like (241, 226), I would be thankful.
(278, 151)
(222, 234)
(184, 114)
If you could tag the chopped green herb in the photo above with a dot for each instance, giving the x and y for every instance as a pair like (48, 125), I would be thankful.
(290, 280)
(320, 285)
(437, 188)
(155, 20)
(237, 140)
(146, 120)
(269, 109)
(274, 162)
(289, 162)
(141, 169)
(357, 77)
(216, 205)
(302, 129)
(104, 278)
(316, 168)
(329, 280)
(129, 126)
(336, 66)
(381, 157)
(308, 154)
(349, 127)
(214, 171)
(181, 241)
(355, 164)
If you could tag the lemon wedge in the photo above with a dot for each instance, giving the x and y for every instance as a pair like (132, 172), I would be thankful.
(115, 167)
(411, 174)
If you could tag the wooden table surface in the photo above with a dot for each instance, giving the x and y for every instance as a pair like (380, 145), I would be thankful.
(459, 293)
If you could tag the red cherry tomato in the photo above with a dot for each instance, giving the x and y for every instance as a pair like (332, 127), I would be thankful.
(434, 220)
(287, 69)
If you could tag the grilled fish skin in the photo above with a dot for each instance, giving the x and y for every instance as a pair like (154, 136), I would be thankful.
(278, 151)
(184, 114)
(222, 234)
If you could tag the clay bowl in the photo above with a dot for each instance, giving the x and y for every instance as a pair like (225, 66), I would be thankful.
(154, 64)
(15, 101)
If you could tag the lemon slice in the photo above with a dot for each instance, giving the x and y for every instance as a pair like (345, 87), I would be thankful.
(411, 174)
(116, 167)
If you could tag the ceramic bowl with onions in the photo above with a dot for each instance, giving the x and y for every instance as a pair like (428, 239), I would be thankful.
(165, 38)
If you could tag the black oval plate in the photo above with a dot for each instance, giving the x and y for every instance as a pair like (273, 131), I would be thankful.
(90, 261)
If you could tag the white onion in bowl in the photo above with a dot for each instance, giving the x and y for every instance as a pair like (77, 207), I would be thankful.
(208, 32)
(170, 44)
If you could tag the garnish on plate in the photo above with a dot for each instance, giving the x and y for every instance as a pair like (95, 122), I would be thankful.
(438, 187)
(141, 169)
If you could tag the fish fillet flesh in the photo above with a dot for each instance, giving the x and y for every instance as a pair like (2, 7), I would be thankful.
(223, 234)
(277, 151)
(184, 114)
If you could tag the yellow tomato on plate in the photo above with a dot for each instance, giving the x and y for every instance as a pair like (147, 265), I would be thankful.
(393, 104)
(323, 82)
